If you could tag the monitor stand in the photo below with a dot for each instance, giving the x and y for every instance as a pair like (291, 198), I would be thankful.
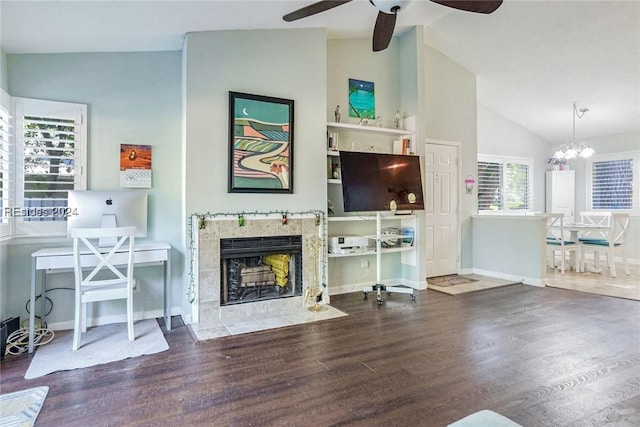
(379, 287)
(108, 221)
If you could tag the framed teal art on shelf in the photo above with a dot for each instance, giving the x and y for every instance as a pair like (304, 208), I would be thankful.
(362, 99)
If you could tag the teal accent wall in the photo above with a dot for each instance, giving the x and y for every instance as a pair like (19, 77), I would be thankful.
(450, 114)
(132, 98)
(3, 71)
(289, 64)
(510, 247)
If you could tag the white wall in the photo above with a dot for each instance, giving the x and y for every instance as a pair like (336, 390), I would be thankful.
(132, 98)
(500, 136)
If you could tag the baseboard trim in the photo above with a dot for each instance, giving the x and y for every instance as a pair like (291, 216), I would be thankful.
(506, 276)
(358, 287)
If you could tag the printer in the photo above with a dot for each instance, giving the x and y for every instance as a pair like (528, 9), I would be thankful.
(346, 244)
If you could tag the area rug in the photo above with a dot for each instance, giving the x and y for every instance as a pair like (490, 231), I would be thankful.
(21, 408)
(466, 284)
(450, 280)
(99, 345)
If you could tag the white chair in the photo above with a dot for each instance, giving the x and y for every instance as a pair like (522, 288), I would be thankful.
(556, 242)
(599, 219)
(103, 281)
(614, 241)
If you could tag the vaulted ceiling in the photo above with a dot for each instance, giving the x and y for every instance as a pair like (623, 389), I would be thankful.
(532, 59)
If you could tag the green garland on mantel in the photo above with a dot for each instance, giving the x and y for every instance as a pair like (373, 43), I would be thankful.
(202, 224)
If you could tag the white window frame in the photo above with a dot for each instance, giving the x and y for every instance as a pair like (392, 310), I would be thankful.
(504, 160)
(6, 222)
(37, 107)
(624, 155)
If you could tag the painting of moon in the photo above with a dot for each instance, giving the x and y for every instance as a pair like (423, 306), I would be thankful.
(261, 143)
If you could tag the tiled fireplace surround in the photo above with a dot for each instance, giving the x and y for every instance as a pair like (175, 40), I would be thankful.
(215, 320)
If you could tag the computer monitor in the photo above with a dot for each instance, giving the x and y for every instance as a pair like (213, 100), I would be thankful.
(115, 208)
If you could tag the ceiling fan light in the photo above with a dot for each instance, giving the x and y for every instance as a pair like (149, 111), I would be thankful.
(390, 6)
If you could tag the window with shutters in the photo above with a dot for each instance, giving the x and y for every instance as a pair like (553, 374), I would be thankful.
(6, 164)
(613, 182)
(505, 184)
(50, 139)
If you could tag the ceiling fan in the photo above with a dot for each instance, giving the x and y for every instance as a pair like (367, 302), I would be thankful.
(388, 11)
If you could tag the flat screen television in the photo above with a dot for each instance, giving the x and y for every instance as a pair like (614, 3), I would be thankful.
(380, 182)
(119, 208)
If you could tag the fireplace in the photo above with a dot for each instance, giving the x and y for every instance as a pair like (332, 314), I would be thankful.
(305, 270)
(260, 268)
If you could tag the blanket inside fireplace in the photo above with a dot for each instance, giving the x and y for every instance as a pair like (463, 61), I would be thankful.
(249, 279)
(260, 268)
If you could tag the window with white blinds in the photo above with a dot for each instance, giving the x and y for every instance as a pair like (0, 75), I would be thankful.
(6, 163)
(505, 184)
(50, 153)
(613, 182)
(490, 186)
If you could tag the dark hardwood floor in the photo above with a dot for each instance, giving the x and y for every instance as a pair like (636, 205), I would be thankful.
(540, 356)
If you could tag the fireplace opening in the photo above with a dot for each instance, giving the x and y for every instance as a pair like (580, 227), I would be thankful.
(260, 268)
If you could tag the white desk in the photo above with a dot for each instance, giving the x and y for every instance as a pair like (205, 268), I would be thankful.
(146, 253)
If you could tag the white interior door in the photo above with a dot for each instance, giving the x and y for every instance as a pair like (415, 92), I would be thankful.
(441, 209)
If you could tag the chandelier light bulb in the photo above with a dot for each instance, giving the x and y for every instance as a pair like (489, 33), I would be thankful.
(587, 152)
(571, 153)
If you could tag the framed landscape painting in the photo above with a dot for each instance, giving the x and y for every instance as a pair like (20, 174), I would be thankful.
(260, 144)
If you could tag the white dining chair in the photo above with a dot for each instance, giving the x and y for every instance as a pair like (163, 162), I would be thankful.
(556, 242)
(614, 241)
(96, 275)
(595, 218)
(598, 219)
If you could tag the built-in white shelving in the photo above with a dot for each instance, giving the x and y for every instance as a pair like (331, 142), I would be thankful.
(364, 138)
(374, 129)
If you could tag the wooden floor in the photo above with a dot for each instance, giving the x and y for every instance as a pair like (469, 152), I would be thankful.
(540, 356)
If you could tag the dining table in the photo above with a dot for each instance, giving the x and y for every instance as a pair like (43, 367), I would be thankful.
(577, 230)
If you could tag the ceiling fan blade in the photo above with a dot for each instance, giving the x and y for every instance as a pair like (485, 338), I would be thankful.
(383, 31)
(313, 8)
(477, 6)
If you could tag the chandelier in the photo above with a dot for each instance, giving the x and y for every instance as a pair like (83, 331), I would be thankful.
(573, 150)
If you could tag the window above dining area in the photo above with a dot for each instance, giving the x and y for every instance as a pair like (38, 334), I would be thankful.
(613, 182)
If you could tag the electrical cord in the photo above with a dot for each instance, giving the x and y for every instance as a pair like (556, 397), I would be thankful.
(47, 299)
(18, 341)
